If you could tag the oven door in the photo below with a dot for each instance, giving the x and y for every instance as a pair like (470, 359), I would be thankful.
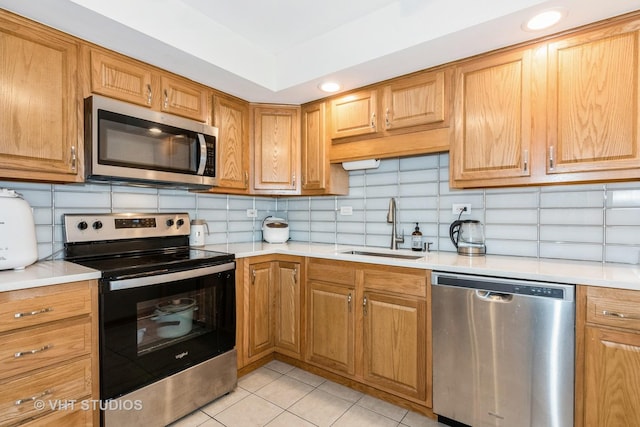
(154, 326)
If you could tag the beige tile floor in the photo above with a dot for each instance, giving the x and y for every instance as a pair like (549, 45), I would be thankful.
(281, 395)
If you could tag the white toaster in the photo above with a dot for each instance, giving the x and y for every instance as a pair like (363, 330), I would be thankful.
(18, 246)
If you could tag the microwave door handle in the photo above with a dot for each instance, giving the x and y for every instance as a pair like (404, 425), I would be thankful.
(203, 155)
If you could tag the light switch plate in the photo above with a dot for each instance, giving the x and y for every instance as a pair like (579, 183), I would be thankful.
(346, 210)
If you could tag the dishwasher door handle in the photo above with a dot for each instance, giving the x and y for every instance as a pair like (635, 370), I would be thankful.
(494, 296)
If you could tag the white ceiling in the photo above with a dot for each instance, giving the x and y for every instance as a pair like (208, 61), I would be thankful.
(280, 50)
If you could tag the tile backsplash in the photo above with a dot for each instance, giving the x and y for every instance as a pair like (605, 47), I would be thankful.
(596, 222)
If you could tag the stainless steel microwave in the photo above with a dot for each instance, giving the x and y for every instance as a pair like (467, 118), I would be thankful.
(127, 143)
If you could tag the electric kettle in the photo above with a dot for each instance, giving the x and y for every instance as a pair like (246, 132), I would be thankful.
(468, 237)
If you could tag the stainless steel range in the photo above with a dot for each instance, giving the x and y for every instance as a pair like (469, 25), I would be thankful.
(167, 315)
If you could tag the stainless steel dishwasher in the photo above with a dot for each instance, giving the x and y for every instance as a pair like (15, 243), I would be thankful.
(503, 351)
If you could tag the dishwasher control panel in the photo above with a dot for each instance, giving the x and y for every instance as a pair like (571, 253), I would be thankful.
(505, 286)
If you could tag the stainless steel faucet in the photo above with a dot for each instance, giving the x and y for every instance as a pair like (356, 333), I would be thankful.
(391, 218)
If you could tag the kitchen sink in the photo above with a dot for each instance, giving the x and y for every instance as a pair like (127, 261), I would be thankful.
(383, 254)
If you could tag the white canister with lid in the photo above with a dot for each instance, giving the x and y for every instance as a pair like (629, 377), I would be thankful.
(18, 246)
(197, 234)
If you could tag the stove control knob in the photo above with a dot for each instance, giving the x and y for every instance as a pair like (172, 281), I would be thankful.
(180, 223)
(169, 222)
(82, 225)
(97, 225)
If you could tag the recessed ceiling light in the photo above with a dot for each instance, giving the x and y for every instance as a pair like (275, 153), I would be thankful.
(544, 19)
(329, 87)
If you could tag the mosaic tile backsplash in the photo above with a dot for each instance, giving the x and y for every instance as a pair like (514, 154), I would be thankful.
(594, 222)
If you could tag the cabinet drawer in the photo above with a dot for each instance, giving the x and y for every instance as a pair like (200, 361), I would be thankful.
(613, 307)
(59, 384)
(26, 350)
(29, 307)
(76, 417)
(406, 281)
(331, 271)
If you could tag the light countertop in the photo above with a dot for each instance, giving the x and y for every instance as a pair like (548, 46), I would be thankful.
(623, 276)
(45, 273)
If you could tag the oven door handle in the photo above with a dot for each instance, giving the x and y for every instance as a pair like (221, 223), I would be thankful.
(117, 285)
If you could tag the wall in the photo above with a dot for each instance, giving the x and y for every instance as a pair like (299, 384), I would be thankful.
(597, 222)
(226, 216)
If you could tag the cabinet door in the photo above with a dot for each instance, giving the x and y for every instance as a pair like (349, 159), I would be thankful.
(314, 147)
(119, 78)
(354, 114)
(492, 132)
(593, 102)
(231, 117)
(276, 140)
(39, 105)
(612, 378)
(261, 308)
(395, 343)
(287, 329)
(331, 327)
(184, 98)
(418, 100)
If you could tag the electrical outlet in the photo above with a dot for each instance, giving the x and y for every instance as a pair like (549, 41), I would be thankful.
(252, 213)
(346, 210)
(457, 207)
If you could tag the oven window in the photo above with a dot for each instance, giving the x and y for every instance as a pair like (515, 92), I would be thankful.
(150, 332)
(165, 321)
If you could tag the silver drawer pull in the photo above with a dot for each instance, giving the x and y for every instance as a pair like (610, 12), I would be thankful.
(619, 315)
(33, 313)
(34, 351)
(36, 397)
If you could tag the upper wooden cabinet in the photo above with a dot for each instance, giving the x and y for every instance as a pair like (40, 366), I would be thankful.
(401, 117)
(563, 111)
(318, 175)
(276, 140)
(493, 112)
(354, 114)
(413, 101)
(40, 109)
(231, 117)
(123, 78)
(593, 102)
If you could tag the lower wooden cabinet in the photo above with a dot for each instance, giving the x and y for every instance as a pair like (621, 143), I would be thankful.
(49, 354)
(611, 382)
(331, 326)
(271, 307)
(371, 324)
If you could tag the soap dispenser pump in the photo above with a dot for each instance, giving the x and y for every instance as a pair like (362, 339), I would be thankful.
(416, 239)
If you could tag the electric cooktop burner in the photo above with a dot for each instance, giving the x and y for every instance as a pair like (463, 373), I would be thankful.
(132, 243)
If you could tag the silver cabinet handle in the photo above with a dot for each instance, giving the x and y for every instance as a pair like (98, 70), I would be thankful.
(166, 99)
(74, 158)
(364, 305)
(551, 159)
(373, 121)
(34, 397)
(253, 276)
(293, 180)
(525, 165)
(619, 315)
(349, 301)
(33, 313)
(149, 95)
(386, 119)
(34, 351)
